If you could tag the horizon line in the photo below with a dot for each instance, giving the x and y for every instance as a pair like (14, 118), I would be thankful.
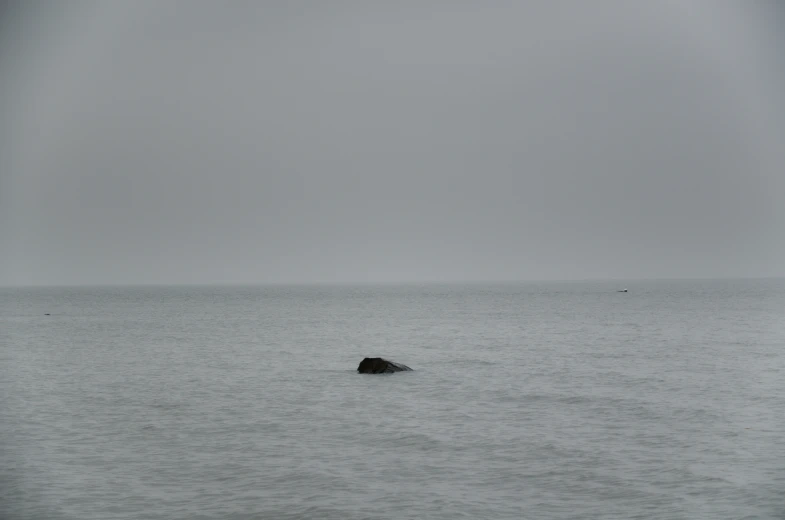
(317, 283)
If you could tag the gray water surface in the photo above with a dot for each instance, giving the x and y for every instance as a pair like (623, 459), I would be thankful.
(535, 401)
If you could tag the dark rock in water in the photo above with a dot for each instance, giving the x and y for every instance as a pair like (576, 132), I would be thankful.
(377, 365)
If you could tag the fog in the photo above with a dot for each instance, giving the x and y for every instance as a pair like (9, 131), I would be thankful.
(260, 142)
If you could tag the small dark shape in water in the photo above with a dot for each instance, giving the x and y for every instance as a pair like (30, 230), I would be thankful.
(377, 365)
(623, 290)
(47, 314)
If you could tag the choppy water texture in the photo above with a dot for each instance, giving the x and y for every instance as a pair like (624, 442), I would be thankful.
(534, 401)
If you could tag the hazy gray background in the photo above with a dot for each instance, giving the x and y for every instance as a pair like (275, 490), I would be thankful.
(190, 142)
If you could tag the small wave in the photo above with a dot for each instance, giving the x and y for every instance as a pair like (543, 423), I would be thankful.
(416, 440)
(483, 362)
(576, 399)
(162, 405)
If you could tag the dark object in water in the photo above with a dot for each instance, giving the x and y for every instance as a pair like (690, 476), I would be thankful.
(47, 314)
(377, 365)
(623, 290)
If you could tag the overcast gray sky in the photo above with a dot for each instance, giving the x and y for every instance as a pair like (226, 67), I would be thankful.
(210, 142)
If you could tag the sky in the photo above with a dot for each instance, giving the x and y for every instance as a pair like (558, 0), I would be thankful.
(199, 142)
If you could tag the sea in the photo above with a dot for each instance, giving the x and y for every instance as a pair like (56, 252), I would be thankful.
(547, 400)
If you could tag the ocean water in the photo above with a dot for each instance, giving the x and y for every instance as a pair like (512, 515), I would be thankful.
(528, 401)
